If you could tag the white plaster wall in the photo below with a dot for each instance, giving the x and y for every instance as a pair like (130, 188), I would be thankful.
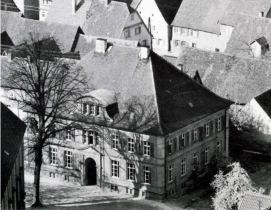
(43, 9)
(256, 49)
(148, 9)
(205, 40)
(255, 111)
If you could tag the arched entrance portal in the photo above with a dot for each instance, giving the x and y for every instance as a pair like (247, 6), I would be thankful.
(90, 172)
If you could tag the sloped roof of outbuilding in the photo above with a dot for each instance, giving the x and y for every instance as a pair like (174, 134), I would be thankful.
(253, 201)
(264, 100)
(248, 7)
(172, 90)
(247, 30)
(12, 133)
(237, 78)
(202, 15)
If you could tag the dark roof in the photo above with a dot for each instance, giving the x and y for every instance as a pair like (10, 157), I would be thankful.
(264, 100)
(9, 5)
(237, 78)
(168, 8)
(262, 41)
(248, 7)
(106, 20)
(247, 30)
(61, 12)
(135, 3)
(19, 30)
(203, 15)
(253, 201)
(172, 90)
(12, 132)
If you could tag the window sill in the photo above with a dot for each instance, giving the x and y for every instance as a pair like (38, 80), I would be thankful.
(170, 181)
(146, 184)
(115, 177)
(130, 180)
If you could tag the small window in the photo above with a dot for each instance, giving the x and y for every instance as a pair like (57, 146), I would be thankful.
(132, 16)
(92, 110)
(183, 140)
(131, 145)
(147, 175)
(194, 33)
(185, 31)
(170, 173)
(216, 50)
(144, 42)
(127, 33)
(183, 166)
(147, 148)
(115, 168)
(69, 134)
(194, 45)
(131, 171)
(85, 108)
(66, 178)
(183, 43)
(195, 134)
(218, 147)
(219, 123)
(176, 30)
(206, 155)
(114, 187)
(207, 128)
(115, 141)
(68, 159)
(138, 30)
(195, 160)
(177, 43)
(170, 146)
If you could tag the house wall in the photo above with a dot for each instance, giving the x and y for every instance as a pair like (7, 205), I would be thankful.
(148, 10)
(180, 182)
(14, 194)
(254, 112)
(44, 8)
(256, 49)
(204, 40)
(134, 21)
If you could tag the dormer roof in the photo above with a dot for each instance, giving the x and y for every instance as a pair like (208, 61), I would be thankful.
(262, 41)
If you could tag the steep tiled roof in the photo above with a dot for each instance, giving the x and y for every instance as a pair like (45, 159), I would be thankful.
(237, 78)
(61, 12)
(264, 100)
(172, 90)
(19, 30)
(203, 15)
(168, 8)
(12, 132)
(7, 18)
(106, 20)
(254, 202)
(248, 7)
(262, 41)
(247, 30)
(9, 5)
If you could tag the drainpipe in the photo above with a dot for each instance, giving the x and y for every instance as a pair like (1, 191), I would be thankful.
(165, 164)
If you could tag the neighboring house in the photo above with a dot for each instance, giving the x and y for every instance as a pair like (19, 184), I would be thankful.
(72, 12)
(9, 5)
(107, 18)
(12, 160)
(44, 8)
(197, 24)
(257, 8)
(248, 34)
(153, 150)
(20, 30)
(258, 111)
(255, 202)
(32, 9)
(236, 78)
(157, 16)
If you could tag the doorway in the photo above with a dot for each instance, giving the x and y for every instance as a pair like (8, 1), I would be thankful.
(90, 172)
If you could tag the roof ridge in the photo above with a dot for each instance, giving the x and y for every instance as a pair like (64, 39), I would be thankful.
(256, 17)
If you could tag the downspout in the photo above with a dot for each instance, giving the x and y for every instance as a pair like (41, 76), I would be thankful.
(165, 164)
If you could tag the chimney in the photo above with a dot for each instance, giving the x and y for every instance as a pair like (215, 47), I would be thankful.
(261, 14)
(101, 45)
(74, 4)
(144, 53)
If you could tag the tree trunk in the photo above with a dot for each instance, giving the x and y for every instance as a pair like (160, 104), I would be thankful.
(36, 185)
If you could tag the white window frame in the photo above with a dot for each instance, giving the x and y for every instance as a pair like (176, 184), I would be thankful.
(85, 108)
(195, 134)
(176, 30)
(183, 167)
(131, 172)
(219, 123)
(53, 156)
(147, 174)
(207, 125)
(177, 43)
(183, 140)
(170, 173)
(91, 109)
(115, 141)
(185, 31)
(131, 145)
(218, 146)
(68, 158)
(115, 168)
(206, 155)
(195, 160)
(170, 144)
(68, 134)
(194, 45)
(147, 148)
(194, 33)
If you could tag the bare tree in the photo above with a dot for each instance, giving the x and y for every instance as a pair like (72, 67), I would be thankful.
(48, 87)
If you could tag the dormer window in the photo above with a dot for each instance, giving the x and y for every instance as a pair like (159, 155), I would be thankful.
(89, 137)
(93, 110)
(85, 109)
